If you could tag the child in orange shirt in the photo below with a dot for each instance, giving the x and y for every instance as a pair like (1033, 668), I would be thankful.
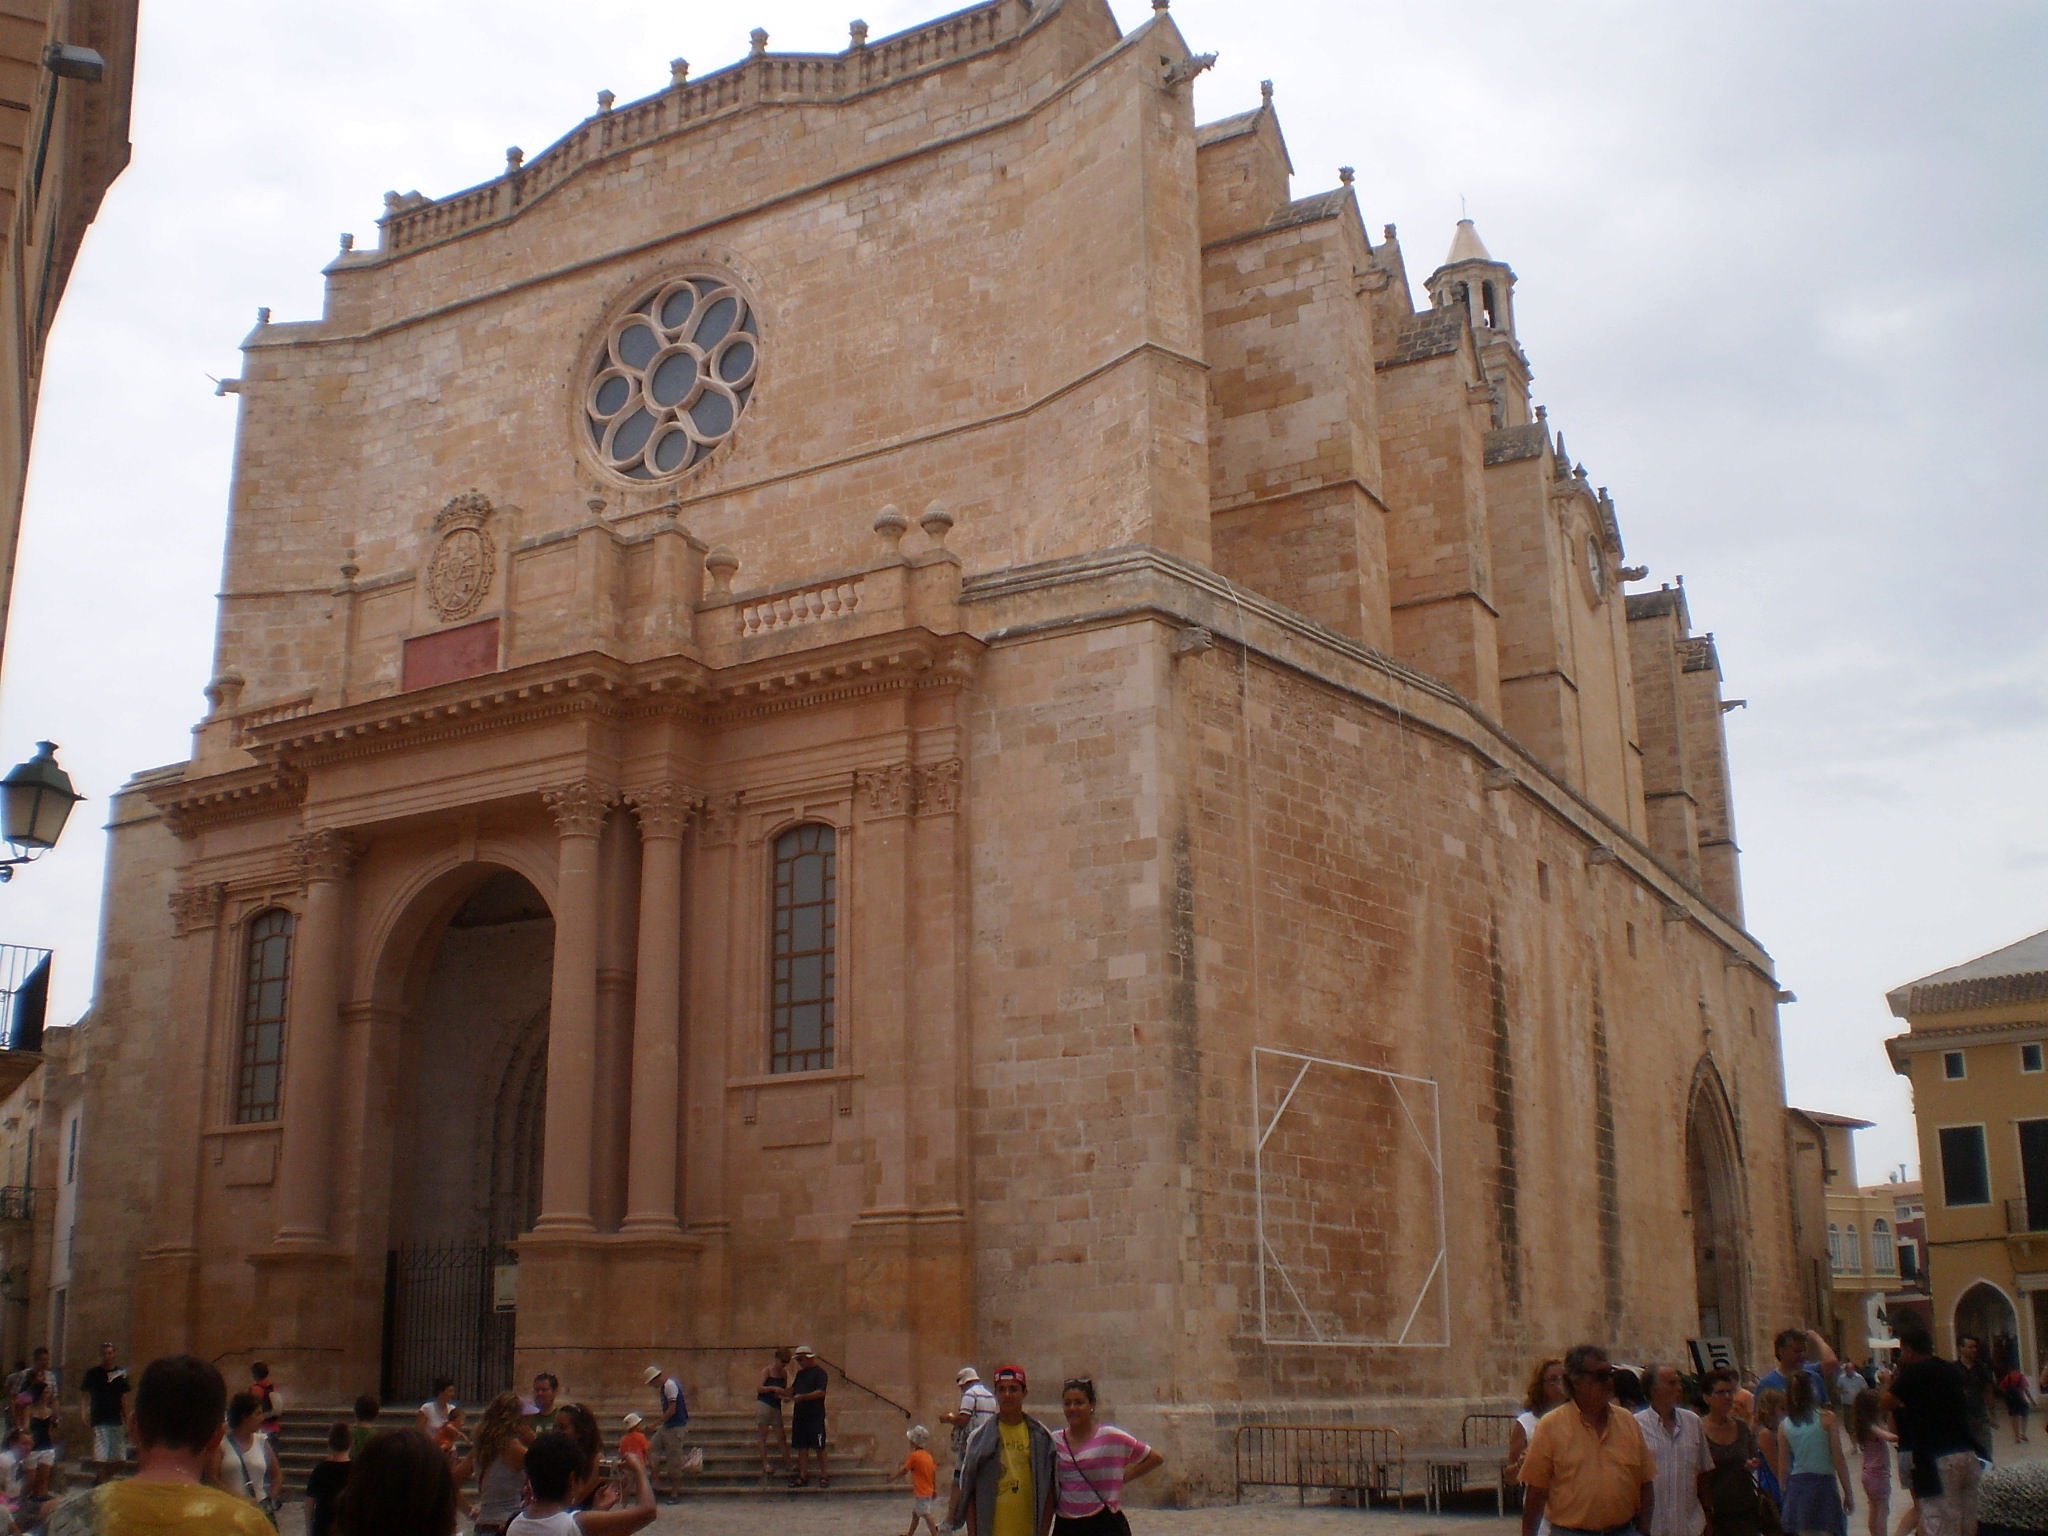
(632, 1443)
(450, 1436)
(924, 1480)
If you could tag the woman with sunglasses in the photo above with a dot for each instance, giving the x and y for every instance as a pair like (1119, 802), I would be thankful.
(1731, 1492)
(1094, 1461)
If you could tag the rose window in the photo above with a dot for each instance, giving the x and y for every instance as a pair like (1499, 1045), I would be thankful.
(674, 375)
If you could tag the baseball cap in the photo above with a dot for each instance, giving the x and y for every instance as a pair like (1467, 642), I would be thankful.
(1012, 1373)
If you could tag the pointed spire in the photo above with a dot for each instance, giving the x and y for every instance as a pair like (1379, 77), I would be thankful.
(1466, 245)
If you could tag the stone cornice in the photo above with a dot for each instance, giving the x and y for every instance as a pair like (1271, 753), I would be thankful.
(190, 806)
(590, 683)
(600, 684)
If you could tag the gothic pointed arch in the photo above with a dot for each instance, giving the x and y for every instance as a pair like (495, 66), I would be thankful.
(1716, 1202)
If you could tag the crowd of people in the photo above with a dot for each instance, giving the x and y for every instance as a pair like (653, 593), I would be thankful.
(1599, 1449)
(1606, 1450)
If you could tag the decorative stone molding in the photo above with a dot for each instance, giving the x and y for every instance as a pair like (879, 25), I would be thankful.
(938, 788)
(579, 809)
(196, 906)
(326, 853)
(890, 791)
(460, 572)
(664, 810)
(910, 789)
(721, 823)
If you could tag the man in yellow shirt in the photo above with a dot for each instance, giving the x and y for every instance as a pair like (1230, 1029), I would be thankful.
(180, 1416)
(1587, 1466)
(1007, 1486)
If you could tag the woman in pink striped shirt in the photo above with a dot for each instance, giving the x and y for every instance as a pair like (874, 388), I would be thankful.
(1094, 1462)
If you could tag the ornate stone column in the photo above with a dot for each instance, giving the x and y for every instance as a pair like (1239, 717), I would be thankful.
(579, 811)
(305, 1174)
(664, 811)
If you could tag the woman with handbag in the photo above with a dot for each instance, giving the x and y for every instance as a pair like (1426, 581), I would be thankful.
(1094, 1461)
(248, 1465)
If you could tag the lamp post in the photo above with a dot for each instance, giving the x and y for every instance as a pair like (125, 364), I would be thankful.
(35, 801)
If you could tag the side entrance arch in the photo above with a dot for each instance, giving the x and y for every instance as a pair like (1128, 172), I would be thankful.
(1714, 1191)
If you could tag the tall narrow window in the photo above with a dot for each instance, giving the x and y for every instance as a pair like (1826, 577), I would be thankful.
(1882, 1255)
(1965, 1173)
(1852, 1250)
(1834, 1247)
(803, 977)
(260, 1062)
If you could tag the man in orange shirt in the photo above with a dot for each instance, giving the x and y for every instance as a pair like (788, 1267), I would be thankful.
(924, 1480)
(1588, 1467)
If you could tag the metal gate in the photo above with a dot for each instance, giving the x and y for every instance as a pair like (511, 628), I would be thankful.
(442, 1318)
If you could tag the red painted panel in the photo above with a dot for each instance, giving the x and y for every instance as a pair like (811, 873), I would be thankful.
(442, 658)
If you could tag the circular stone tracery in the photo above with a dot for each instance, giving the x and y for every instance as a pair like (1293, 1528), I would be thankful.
(672, 377)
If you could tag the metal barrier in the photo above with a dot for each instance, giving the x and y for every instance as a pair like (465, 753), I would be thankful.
(1490, 1431)
(1365, 1459)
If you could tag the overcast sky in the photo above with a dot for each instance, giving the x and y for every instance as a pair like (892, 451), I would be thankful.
(1781, 281)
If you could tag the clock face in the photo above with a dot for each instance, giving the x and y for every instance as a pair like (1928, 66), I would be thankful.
(1596, 567)
(671, 377)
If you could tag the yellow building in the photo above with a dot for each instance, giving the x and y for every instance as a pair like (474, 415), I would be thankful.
(1863, 1252)
(1974, 1047)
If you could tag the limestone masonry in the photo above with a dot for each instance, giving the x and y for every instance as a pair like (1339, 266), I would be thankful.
(887, 698)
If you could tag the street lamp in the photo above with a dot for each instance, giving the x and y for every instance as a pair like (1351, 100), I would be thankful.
(35, 801)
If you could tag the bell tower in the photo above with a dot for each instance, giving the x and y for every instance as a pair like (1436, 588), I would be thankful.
(1470, 279)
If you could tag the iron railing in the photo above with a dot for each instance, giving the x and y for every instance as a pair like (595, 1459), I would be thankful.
(18, 1202)
(2029, 1213)
(24, 996)
(1361, 1459)
(440, 1320)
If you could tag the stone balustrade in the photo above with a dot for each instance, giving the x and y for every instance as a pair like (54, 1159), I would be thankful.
(803, 605)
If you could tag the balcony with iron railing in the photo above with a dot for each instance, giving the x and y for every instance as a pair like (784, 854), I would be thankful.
(17, 1203)
(2027, 1216)
(24, 1002)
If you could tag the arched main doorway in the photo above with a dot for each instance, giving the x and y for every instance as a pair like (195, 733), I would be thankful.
(469, 1085)
(1714, 1195)
(1986, 1312)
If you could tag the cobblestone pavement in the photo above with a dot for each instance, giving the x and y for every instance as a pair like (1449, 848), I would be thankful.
(878, 1515)
(887, 1514)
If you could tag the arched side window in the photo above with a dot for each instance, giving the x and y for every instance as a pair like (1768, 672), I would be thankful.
(1882, 1254)
(259, 1061)
(803, 968)
(1834, 1246)
(1852, 1249)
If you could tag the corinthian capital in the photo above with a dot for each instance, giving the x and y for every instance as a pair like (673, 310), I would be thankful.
(196, 906)
(324, 854)
(664, 809)
(578, 808)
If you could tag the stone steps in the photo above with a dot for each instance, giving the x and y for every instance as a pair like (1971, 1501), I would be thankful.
(727, 1439)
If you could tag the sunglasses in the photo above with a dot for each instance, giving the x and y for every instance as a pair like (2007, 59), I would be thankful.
(1078, 1384)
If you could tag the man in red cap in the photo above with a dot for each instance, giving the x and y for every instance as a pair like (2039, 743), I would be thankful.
(1007, 1485)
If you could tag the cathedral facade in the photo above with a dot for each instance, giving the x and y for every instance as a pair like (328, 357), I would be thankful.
(888, 697)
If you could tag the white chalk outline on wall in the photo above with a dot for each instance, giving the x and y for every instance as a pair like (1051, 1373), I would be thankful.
(1431, 1144)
